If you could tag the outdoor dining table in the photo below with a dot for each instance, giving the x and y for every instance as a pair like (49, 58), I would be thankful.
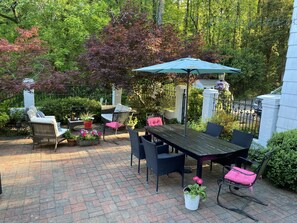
(197, 145)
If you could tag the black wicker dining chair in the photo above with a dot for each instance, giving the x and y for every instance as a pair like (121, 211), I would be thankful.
(137, 149)
(239, 138)
(160, 161)
(214, 129)
(239, 178)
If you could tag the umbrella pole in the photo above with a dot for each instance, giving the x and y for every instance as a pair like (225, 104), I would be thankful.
(186, 110)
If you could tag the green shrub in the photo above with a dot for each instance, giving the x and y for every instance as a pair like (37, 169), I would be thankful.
(195, 104)
(4, 117)
(227, 120)
(282, 167)
(61, 108)
(197, 125)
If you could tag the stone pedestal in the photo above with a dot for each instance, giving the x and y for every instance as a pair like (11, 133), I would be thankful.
(179, 94)
(28, 94)
(270, 108)
(116, 96)
(209, 99)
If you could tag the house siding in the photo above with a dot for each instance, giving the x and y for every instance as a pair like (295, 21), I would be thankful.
(287, 116)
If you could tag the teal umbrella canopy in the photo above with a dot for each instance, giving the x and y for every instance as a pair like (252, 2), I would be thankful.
(189, 66)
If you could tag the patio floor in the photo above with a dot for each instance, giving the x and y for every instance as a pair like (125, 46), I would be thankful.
(97, 184)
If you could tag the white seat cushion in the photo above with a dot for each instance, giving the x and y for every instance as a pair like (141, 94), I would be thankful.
(126, 109)
(107, 117)
(118, 108)
(61, 132)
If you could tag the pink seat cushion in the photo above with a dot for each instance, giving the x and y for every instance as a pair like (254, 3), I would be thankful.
(242, 176)
(154, 121)
(114, 125)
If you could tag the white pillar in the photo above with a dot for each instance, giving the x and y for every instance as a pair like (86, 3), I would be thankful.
(270, 108)
(209, 99)
(28, 94)
(179, 93)
(116, 96)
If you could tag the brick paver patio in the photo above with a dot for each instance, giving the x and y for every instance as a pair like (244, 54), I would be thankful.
(97, 184)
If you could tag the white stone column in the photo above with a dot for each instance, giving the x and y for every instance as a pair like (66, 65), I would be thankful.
(116, 96)
(28, 94)
(270, 108)
(209, 98)
(179, 93)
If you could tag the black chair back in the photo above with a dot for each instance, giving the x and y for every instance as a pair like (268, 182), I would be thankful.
(136, 149)
(242, 139)
(151, 154)
(120, 117)
(213, 129)
(261, 168)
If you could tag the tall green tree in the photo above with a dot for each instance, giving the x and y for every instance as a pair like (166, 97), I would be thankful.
(63, 24)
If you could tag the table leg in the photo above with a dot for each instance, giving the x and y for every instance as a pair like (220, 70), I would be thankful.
(199, 169)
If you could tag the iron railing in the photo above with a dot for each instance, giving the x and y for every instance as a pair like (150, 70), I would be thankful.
(245, 111)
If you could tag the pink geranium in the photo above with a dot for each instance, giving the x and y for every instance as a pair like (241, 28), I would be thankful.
(198, 180)
(92, 135)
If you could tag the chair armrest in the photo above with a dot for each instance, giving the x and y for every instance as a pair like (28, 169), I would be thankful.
(163, 149)
(245, 161)
(50, 116)
(147, 137)
(171, 156)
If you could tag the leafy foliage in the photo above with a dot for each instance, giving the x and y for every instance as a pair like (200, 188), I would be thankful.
(227, 120)
(196, 189)
(64, 25)
(4, 117)
(61, 108)
(282, 167)
(251, 34)
(199, 125)
(195, 104)
(25, 59)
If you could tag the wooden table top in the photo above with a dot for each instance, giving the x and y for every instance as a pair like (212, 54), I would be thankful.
(196, 144)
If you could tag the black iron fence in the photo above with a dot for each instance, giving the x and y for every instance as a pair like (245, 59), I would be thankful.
(247, 112)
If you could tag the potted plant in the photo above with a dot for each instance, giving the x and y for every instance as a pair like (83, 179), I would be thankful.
(88, 119)
(87, 138)
(71, 139)
(132, 121)
(193, 193)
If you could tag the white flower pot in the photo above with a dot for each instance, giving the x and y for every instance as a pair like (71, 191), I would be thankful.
(191, 203)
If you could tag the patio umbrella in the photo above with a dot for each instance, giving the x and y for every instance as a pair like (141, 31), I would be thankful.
(188, 66)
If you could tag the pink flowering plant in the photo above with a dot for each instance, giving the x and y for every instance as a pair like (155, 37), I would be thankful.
(196, 189)
(89, 135)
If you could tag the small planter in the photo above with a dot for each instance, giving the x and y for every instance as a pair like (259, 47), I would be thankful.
(191, 203)
(88, 124)
(88, 142)
(71, 142)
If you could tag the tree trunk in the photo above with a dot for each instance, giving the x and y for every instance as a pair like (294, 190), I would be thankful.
(160, 12)
(186, 18)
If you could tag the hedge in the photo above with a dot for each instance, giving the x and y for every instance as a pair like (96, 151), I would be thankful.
(282, 167)
(61, 108)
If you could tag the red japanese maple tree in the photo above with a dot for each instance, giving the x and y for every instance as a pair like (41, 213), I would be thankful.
(26, 58)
